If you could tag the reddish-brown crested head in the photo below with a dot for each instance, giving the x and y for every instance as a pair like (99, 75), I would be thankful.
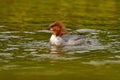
(57, 28)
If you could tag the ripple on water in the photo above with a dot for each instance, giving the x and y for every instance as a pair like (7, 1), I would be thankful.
(5, 56)
(11, 49)
(46, 31)
(1, 26)
(9, 67)
(85, 48)
(40, 57)
(13, 45)
(93, 31)
(8, 37)
(9, 32)
(30, 50)
(98, 63)
(116, 57)
(34, 47)
(35, 44)
(28, 32)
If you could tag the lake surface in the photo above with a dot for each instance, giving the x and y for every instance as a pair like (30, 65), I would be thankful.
(25, 52)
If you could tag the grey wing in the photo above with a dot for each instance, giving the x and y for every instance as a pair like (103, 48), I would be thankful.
(73, 37)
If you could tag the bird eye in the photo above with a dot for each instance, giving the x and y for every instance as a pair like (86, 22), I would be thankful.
(51, 29)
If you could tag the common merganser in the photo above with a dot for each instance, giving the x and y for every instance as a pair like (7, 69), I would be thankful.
(61, 38)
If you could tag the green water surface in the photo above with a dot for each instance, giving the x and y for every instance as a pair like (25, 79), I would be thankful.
(25, 53)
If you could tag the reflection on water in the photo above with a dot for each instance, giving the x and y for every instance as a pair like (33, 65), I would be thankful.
(56, 50)
(16, 45)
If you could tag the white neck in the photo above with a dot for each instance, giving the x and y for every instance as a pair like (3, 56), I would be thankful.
(56, 40)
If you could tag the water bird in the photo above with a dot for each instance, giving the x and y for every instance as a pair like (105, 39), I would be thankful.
(61, 37)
